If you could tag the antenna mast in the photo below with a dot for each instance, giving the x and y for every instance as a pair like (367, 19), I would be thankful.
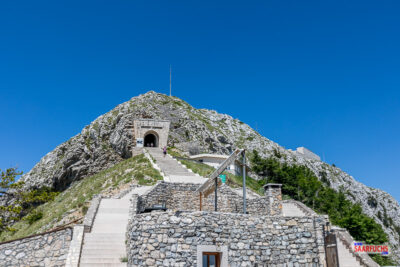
(170, 88)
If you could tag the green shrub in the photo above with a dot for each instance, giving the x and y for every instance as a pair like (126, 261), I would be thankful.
(324, 178)
(37, 197)
(85, 209)
(383, 260)
(277, 153)
(397, 229)
(33, 216)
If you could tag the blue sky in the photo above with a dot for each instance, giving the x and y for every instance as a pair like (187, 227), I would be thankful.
(320, 74)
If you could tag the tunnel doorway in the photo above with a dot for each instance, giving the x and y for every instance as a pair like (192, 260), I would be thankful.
(150, 140)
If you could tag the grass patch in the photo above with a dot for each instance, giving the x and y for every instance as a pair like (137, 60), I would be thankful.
(231, 179)
(77, 196)
(199, 168)
(237, 181)
(33, 217)
(174, 152)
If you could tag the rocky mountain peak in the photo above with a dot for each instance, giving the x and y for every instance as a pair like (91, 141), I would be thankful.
(109, 139)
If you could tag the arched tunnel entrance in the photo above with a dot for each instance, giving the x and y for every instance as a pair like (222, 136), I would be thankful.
(150, 140)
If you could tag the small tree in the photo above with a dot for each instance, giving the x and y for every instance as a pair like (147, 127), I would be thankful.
(16, 201)
(11, 197)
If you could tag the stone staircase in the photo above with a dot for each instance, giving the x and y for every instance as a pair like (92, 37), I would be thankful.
(105, 245)
(173, 171)
(346, 257)
(290, 209)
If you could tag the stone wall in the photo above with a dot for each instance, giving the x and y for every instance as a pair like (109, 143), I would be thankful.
(49, 249)
(179, 238)
(183, 196)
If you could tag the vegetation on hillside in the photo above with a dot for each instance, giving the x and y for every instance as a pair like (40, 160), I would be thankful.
(74, 202)
(301, 184)
(20, 202)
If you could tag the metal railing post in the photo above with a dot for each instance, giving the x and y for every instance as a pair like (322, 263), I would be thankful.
(216, 197)
(244, 182)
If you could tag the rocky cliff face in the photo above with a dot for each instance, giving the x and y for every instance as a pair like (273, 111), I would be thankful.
(108, 140)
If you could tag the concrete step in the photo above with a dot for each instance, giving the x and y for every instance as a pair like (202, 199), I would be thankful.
(123, 204)
(107, 230)
(289, 209)
(186, 179)
(93, 255)
(346, 257)
(101, 260)
(110, 248)
(104, 235)
(97, 241)
(112, 216)
(115, 225)
(116, 204)
(98, 252)
(103, 265)
(102, 239)
(114, 228)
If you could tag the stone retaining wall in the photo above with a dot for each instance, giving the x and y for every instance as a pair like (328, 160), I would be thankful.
(179, 238)
(182, 196)
(49, 249)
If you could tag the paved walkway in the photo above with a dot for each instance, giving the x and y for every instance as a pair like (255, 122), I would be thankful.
(174, 172)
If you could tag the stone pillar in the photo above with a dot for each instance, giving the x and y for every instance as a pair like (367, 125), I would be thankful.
(273, 192)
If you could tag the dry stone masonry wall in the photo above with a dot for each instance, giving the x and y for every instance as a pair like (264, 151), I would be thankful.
(50, 249)
(183, 196)
(175, 238)
(274, 198)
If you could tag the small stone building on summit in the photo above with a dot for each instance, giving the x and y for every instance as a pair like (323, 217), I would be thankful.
(150, 133)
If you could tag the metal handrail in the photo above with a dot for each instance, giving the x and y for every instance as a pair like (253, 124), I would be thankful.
(58, 228)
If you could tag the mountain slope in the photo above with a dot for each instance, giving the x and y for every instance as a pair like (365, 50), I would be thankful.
(108, 140)
(73, 203)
